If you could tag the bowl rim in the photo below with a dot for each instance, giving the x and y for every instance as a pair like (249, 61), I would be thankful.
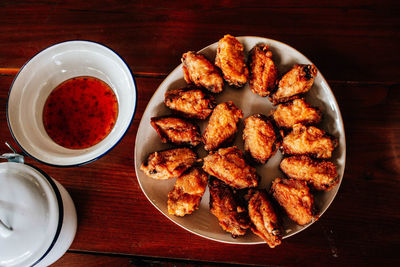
(60, 209)
(105, 152)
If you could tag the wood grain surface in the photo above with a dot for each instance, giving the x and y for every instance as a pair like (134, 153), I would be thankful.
(355, 45)
(349, 41)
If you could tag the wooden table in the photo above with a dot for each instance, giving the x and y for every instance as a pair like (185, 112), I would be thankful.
(355, 45)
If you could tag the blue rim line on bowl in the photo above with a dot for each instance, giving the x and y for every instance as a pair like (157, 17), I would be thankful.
(88, 161)
(60, 210)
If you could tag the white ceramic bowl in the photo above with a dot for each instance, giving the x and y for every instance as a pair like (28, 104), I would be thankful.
(40, 75)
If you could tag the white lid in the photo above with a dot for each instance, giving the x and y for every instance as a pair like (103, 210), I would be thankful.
(28, 204)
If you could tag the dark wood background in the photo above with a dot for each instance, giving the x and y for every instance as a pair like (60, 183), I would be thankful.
(355, 45)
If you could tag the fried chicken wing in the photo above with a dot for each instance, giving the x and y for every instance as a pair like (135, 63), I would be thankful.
(263, 72)
(295, 197)
(230, 59)
(187, 193)
(222, 126)
(228, 165)
(321, 175)
(264, 219)
(176, 130)
(297, 111)
(259, 138)
(168, 164)
(227, 207)
(308, 141)
(198, 70)
(295, 83)
(190, 102)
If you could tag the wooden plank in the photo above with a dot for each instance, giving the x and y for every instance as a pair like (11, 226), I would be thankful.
(359, 228)
(352, 42)
(88, 260)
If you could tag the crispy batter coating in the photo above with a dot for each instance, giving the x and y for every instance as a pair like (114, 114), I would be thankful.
(263, 72)
(230, 59)
(222, 126)
(295, 83)
(168, 164)
(259, 138)
(190, 102)
(187, 193)
(264, 219)
(198, 70)
(308, 141)
(321, 175)
(227, 207)
(228, 165)
(295, 197)
(297, 111)
(176, 130)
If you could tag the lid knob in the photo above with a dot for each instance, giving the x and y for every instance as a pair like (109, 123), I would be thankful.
(5, 230)
(12, 157)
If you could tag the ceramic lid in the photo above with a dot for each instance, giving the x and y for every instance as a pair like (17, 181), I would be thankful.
(30, 208)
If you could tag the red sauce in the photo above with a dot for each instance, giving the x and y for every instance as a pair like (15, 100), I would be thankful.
(80, 112)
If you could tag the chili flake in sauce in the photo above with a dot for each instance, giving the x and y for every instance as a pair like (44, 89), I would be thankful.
(80, 112)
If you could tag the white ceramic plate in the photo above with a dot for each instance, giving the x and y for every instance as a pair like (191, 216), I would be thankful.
(45, 71)
(202, 222)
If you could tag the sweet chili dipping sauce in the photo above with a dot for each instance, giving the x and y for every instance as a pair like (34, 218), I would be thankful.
(80, 112)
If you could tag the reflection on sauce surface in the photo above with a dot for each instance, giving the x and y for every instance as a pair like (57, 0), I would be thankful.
(80, 112)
